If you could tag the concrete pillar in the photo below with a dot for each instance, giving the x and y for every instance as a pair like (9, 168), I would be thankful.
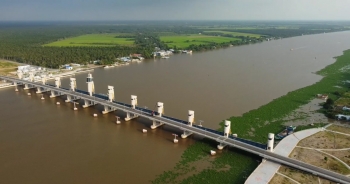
(133, 101)
(227, 128)
(90, 83)
(160, 108)
(110, 93)
(270, 142)
(73, 84)
(88, 103)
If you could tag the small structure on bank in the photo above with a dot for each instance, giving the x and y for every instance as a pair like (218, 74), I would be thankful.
(322, 96)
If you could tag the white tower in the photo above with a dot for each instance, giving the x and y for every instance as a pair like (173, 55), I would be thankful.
(19, 74)
(190, 117)
(58, 85)
(73, 84)
(227, 128)
(270, 142)
(43, 79)
(160, 108)
(133, 101)
(190, 122)
(57, 82)
(31, 77)
(110, 93)
(91, 86)
(130, 116)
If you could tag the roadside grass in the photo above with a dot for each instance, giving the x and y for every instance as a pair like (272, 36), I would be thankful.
(7, 67)
(266, 119)
(183, 41)
(343, 101)
(4, 64)
(341, 129)
(234, 33)
(93, 40)
(300, 176)
(319, 159)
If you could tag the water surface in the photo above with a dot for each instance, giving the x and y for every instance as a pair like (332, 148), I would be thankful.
(41, 142)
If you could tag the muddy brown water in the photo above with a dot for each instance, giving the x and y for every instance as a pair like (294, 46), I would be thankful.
(41, 142)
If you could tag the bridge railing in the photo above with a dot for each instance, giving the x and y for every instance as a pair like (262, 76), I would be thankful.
(149, 112)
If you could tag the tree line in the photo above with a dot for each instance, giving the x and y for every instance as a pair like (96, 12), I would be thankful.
(24, 43)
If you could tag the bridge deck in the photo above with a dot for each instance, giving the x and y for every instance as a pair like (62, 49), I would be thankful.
(239, 143)
(149, 112)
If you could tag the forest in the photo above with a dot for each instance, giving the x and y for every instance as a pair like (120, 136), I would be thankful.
(24, 41)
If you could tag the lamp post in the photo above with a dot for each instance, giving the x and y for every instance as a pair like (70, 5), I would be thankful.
(145, 109)
(200, 123)
(118, 121)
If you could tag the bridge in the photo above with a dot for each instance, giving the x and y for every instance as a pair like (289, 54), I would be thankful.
(188, 128)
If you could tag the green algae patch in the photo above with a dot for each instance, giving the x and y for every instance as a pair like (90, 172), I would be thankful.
(269, 118)
(234, 166)
(198, 166)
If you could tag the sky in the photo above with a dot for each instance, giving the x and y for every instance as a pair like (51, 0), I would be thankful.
(70, 10)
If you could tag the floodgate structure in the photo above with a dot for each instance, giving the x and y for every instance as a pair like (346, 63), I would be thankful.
(158, 118)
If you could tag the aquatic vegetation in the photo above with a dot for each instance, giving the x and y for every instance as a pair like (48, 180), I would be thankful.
(275, 111)
(268, 118)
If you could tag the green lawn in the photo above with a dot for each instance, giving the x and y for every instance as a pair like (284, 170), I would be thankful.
(93, 40)
(234, 33)
(6, 64)
(183, 41)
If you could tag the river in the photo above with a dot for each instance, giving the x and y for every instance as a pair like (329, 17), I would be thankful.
(41, 142)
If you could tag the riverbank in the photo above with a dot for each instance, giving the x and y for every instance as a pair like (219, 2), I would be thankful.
(326, 149)
(255, 125)
(267, 169)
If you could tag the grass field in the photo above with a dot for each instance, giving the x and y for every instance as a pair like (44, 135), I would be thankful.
(234, 33)
(93, 40)
(183, 41)
(6, 67)
(5, 64)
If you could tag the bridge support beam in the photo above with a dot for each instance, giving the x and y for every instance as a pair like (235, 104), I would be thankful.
(54, 94)
(130, 116)
(107, 109)
(41, 90)
(38, 90)
(15, 84)
(186, 134)
(156, 124)
(88, 103)
(28, 86)
(71, 98)
(221, 146)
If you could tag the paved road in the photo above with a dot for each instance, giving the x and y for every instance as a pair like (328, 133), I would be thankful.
(201, 131)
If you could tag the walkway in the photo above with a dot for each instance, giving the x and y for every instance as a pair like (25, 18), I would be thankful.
(267, 169)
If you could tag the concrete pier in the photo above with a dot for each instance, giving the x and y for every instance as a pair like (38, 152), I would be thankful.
(130, 116)
(156, 124)
(88, 103)
(108, 109)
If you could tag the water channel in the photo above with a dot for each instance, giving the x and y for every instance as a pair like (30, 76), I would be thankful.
(41, 142)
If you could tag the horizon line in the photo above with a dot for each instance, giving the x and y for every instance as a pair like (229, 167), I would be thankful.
(217, 20)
